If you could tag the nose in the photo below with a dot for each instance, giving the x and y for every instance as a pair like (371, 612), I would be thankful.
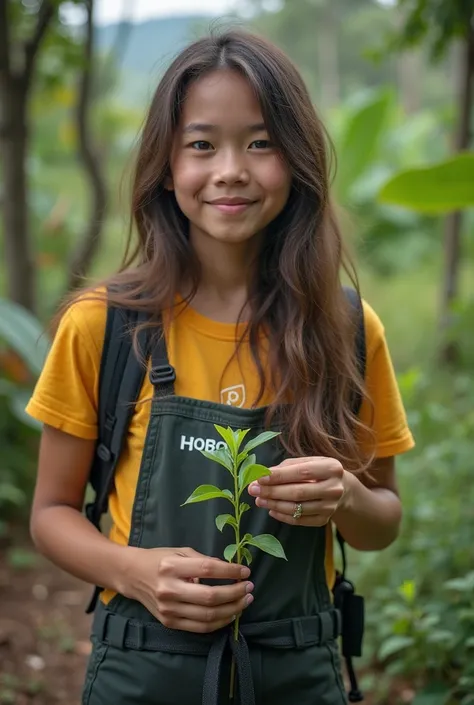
(231, 168)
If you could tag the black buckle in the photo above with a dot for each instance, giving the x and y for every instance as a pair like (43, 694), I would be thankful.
(162, 374)
(103, 452)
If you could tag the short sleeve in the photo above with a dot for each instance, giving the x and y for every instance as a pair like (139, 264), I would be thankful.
(66, 393)
(383, 412)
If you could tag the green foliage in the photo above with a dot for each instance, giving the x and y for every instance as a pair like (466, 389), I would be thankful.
(360, 139)
(374, 140)
(22, 559)
(436, 22)
(329, 53)
(21, 332)
(421, 591)
(61, 52)
(438, 189)
(22, 351)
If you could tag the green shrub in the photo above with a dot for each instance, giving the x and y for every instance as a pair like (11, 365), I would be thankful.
(23, 348)
(420, 591)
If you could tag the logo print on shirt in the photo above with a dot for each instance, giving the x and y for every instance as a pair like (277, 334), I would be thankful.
(233, 396)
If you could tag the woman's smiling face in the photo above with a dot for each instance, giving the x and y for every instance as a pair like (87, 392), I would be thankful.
(229, 180)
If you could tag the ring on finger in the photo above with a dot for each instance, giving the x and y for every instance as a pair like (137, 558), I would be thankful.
(298, 513)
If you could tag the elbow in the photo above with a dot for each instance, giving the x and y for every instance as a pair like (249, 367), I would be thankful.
(393, 528)
(36, 528)
(377, 533)
(35, 532)
(379, 537)
(374, 543)
(380, 542)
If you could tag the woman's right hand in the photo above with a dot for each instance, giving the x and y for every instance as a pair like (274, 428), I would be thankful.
(167, 582)
(164, 580)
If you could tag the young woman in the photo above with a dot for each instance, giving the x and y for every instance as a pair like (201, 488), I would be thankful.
(238, 261)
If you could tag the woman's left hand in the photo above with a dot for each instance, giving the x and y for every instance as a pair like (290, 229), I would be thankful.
(304, 491)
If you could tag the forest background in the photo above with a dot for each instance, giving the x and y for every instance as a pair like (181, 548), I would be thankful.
(393, 82)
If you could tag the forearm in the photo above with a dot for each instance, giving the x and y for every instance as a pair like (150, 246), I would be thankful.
(69, 540)
(369, 518)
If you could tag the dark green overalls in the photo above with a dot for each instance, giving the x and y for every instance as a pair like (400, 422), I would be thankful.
(287, 652)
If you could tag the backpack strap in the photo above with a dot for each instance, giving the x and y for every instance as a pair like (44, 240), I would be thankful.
(120, 381)
(361, 357)
(360, 346)
(350, 605)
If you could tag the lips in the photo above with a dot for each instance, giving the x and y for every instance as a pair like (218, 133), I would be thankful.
(231, 205)
(231, 201)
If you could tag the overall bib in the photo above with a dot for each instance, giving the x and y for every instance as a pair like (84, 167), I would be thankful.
(286, 652)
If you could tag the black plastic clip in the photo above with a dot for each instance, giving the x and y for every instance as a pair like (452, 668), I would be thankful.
(103, 452)
(162, 374)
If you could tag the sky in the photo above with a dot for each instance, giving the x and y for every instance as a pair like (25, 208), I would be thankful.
(107, 11)
(112, 10)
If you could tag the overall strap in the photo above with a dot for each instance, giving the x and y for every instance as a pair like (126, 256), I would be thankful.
(162, 374)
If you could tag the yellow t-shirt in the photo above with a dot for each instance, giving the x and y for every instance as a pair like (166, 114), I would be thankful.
(66, 395)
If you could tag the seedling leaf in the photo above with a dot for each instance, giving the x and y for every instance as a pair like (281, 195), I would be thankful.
(252, 473)
(241, 457)
(228, 435)
(219, 456)
(269, 544)
(248, 460)
(230, 551)
(224, 519)
(240, 437)
(262, 438)
(205, 492)
(247, 555)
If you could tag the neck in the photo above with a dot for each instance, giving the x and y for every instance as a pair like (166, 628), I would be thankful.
(225, 272)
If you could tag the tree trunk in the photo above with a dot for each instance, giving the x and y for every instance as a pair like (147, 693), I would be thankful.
(14, 143)
(328, 59)
(89, 243)
(15, 87)
(452, 236)
(410, 78)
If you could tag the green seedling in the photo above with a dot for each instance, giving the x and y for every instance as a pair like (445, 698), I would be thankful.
(243, 466)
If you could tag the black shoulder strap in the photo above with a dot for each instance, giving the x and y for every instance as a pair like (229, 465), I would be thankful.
(360, 350)
(350, 605)
(120, 381)
(358, 312)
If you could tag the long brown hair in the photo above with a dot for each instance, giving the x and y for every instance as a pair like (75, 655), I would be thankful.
(296, 297)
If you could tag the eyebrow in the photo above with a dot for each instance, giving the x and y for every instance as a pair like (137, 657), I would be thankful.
(207, 127)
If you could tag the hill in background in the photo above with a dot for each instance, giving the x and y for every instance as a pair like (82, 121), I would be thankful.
(149, 49)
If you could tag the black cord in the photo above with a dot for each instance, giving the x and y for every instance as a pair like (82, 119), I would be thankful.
(354, 695)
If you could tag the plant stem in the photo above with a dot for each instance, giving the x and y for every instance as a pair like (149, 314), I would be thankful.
(239, 558)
